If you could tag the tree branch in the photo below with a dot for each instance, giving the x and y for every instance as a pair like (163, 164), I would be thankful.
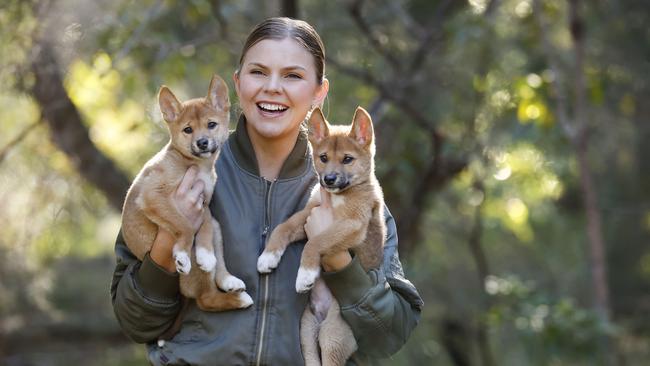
(20, 137)
(355, 9)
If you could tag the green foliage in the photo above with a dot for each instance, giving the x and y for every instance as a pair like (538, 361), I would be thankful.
(553, 330)
(486, 85)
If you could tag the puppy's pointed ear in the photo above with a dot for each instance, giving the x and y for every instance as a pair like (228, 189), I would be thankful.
(218, 94)
(169, 105)
(362, 127)
(318, 127)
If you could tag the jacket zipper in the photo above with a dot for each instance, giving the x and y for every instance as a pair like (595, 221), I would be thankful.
(265, 277)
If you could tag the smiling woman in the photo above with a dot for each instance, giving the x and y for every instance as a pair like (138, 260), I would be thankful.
(278, 84)
(265, 175)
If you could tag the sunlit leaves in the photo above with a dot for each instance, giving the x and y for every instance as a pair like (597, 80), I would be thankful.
(521, 180)
(532, 106)
(120, 126)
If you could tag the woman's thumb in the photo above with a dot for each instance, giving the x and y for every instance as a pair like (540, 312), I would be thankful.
(325, 198)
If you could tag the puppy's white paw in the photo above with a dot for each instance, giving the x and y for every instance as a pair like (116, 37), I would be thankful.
(306, 278)
(205, 259)
(245, 300)
(232, 284)
(268, 261)
(183, 263)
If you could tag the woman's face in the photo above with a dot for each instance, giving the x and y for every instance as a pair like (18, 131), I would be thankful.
(277, 86)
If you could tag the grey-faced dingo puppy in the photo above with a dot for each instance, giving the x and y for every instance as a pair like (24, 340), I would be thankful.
(197, 128)
(344, 160)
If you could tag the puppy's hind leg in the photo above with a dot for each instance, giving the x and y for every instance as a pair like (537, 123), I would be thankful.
(211, 299)
(224, 279)
(337, 343)
(309, 338)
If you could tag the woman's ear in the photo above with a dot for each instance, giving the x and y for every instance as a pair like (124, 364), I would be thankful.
(321, 93)
(235, 79)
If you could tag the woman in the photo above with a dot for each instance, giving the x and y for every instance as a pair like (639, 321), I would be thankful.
(265, 175)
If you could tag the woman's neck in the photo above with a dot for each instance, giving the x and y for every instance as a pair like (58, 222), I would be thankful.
(272, 153)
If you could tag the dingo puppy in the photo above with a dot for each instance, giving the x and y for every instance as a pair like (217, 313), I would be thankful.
(344, 160)
(197, 128)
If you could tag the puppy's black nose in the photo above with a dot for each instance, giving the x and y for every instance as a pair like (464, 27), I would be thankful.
(202, 143)
(330, 179)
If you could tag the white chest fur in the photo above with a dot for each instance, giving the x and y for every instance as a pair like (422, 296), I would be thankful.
(337, 200)
(208, 180)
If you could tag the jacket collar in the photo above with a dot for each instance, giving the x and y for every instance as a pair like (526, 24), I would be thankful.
(242, 149)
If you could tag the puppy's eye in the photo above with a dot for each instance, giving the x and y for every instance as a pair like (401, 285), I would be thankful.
(323, 158)
(212, 125)
(187, 130)
(347, 159)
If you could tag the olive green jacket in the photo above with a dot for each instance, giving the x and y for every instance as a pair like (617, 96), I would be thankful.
(381, 306)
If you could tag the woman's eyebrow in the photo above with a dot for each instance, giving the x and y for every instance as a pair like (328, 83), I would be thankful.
(291, 67)
(294, 67)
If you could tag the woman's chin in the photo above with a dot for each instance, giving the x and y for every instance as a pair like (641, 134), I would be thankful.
(273, 130)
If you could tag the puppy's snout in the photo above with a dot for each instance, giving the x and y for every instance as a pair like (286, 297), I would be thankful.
(330, 179)
(202, 143)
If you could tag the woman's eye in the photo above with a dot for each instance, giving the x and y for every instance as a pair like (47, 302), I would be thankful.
(294, 76)
(212, 125)
(187, 130)
(323, 158)
(257, 72)
(347, 159)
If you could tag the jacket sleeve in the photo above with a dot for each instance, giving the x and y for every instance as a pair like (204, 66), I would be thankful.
(145, 297)
(381, 306)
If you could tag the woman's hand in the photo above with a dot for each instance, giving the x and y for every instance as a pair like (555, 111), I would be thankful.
(320, 218)
(188, 198)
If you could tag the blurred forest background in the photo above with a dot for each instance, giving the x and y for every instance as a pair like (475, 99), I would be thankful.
(513, 148)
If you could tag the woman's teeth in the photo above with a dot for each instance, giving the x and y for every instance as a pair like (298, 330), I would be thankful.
(268, 107)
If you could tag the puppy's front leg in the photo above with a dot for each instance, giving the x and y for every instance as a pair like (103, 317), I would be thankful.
(204, 244)
(166, 216)
(341, 235)
(289, 231)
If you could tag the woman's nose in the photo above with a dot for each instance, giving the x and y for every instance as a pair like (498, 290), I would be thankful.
(273, 84)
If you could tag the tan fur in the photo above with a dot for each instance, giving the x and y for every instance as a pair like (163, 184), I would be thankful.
(149, 203)
(358, 226)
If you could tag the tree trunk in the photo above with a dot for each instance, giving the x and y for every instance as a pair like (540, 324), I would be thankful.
(587, 186)
(595, 234)
(67, 129)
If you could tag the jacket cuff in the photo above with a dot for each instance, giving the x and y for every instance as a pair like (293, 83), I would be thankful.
(155, 282)
(350, 284)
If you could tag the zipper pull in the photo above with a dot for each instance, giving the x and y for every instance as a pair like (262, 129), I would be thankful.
(266, 231)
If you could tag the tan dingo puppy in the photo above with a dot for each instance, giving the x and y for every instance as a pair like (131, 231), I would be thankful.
(197, 128)
(344, 160)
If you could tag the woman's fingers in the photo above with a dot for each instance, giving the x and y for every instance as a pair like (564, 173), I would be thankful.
(195, 194)
(188, 180)
(325, 198)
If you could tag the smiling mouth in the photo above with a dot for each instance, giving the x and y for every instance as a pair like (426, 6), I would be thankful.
(272, 108)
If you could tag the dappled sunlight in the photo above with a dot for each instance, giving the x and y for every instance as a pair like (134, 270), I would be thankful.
(522, 181)
(120, 127)
(531, 105)
(517, 211)
(475, 166)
